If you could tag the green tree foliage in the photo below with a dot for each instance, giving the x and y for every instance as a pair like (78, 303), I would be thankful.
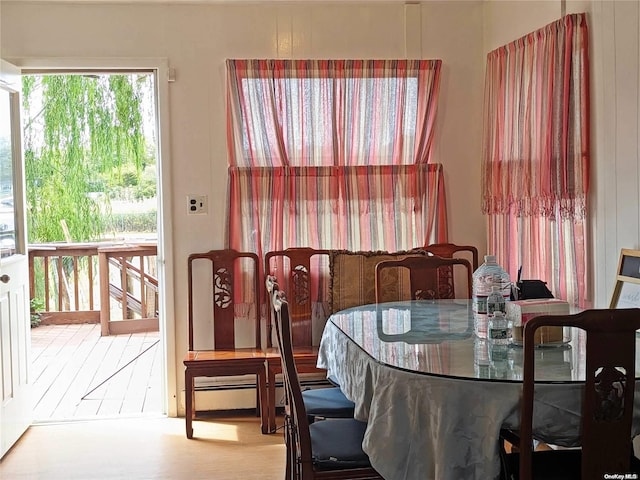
(84, 136)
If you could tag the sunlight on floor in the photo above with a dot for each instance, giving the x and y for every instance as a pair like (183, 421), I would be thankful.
(147, 448)
(213, 430)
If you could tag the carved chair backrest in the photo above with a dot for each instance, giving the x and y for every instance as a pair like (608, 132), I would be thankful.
(423, 275)
(298, 272)
(233, 281)
(450, 250)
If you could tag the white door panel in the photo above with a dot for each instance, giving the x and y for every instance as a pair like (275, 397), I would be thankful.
(14, 351)
(16, 409)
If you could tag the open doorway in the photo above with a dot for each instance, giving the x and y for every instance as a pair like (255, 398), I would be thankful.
(93, 190)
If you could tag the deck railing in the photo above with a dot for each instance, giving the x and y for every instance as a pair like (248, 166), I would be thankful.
(114, 284)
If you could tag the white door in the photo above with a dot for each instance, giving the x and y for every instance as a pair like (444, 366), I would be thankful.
(15, 330)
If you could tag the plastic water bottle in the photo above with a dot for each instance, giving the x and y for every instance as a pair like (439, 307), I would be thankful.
(484, 278)
(495, 301)
(499, 365)
(499, 329)
(499, 338)
(481, 359)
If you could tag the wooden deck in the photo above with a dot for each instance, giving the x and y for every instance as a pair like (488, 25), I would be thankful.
(74, 373)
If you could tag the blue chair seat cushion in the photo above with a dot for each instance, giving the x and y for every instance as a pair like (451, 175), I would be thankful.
(328, 402)
(337, 444)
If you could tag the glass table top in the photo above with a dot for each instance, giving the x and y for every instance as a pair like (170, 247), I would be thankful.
(436, 338)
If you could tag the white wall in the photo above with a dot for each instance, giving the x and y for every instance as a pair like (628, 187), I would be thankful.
(196, 39)
(452, 31)
(616, 139)
(506, 21)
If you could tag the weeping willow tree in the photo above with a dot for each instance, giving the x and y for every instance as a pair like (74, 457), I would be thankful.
(83, 134)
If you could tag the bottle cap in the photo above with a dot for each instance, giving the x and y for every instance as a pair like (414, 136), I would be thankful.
(490, 259)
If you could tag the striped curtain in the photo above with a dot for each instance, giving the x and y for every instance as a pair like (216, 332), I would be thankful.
(333, 154)
(536, 154)
(386, 207)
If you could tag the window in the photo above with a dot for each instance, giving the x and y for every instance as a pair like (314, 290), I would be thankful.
(333, 154)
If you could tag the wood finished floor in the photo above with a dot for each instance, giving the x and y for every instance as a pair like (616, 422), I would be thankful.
(118, 431)
(70, 361)
(227, 448)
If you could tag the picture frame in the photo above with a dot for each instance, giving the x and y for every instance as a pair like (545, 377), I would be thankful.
(626, 293)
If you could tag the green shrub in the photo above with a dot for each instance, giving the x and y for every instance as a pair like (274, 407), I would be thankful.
(145, 190)
(144, 222)
(36, 307)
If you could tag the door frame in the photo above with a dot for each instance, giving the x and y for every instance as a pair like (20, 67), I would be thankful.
(160, 66)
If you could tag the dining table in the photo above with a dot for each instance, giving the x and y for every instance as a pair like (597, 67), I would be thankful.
(435, 395)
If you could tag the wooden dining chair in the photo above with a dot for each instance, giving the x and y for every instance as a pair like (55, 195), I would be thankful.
(607, 402)
(424, 280)
(293, 269)
(329, 402)
(326, 449)
(445, 274)
(233, 276)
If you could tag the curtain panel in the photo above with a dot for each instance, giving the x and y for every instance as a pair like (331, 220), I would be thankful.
(333, 154)
(536, 147)
(330, 112)
(536, 155)
(549, 248)
(390, 207)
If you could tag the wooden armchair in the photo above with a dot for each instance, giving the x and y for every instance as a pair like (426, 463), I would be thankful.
(292, 269)
(227, 270)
